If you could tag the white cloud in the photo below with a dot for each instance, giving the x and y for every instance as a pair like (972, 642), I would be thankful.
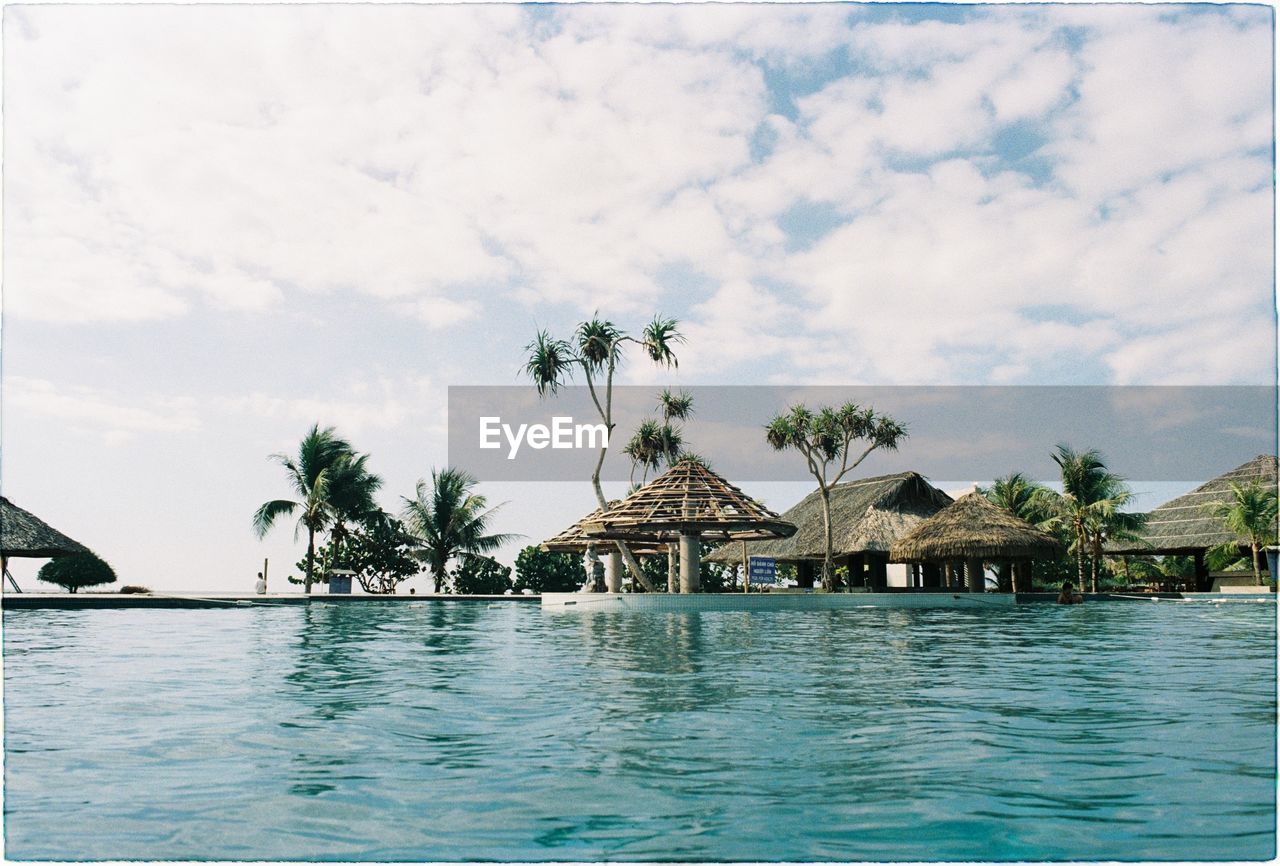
(109, 416)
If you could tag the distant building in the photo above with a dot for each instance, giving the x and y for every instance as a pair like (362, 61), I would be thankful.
(1183, 526)
(867, 517)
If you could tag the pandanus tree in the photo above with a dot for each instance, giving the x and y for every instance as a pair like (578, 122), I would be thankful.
(332, 485)
(595, 350)
(448, 520)
(1250, 514)
(833, 441)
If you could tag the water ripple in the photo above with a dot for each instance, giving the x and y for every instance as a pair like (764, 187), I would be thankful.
(440, 731)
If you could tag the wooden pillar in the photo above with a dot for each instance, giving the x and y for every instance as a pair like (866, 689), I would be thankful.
(931, 575)
(690, 554)
(948, 579)
(857, 572)
(977, 581)
(804, 574)
(877, 572)
(1201, 582)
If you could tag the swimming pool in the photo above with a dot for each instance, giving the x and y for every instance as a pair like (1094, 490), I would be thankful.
(455, 730)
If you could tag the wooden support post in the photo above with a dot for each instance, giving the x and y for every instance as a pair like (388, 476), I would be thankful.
(977, 580)
(746, 569)
(804, 574)
(1201, 580)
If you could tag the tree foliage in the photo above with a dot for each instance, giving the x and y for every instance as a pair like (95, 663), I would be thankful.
(75, 570)
(448, 519)
(481, 575)
(333, 488)
(540, 571)
(1250, 514)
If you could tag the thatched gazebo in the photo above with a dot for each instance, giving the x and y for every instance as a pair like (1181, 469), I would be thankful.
(867, 517)
(1184, 525)
(22, 534)
(574, 539)
(688, 502)
(972, 530)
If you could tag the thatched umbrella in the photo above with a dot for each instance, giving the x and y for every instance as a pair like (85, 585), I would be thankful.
(574, 539)
(689, 502)
(973, 529)
(22, 534)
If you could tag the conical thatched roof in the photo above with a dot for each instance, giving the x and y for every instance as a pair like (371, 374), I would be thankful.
(974, 527)
(575, 539)
(866, 515)
(22, 534)
(688, 498)
(1184, 525)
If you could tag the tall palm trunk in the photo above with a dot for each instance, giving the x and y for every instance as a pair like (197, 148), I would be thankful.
(311, 558)
(1080, 542)
(1257, 565)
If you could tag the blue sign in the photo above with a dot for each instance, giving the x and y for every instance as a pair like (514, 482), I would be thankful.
(763, 569)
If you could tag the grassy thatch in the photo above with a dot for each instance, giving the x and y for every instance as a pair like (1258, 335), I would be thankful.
(866, 515)
(22, 534)
(974, 527)
(1184, 525)
(688, 498)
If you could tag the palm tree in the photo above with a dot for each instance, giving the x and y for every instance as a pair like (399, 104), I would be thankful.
(645, 449)
(448, 520)
(596, 351)
(332, 485)
(825, 437)
(1089, 507)
(1249, 513)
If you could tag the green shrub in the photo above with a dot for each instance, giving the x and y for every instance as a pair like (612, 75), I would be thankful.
(540, 571)
(480, 575)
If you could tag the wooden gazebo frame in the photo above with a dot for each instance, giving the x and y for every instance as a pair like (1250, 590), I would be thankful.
(688, 502)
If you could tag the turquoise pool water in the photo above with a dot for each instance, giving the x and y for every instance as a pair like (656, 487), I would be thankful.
(453, 731)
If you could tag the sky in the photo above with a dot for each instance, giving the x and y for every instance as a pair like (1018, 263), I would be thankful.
(223, 224)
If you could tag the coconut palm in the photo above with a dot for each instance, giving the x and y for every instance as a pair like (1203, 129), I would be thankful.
(447, 519)
(1089, 507)
(827, 440)
(1249, 513)
(596, 351)
(332, 484)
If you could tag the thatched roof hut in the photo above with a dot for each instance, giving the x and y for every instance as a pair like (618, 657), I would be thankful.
(1184, 526)
(866, 516)
(22, 534)
(973, 527)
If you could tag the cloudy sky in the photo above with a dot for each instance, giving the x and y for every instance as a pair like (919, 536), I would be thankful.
(225, 223)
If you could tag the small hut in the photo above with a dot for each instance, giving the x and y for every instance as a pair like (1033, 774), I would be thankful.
(1184, 525)
(973, 530)
(22, 534)
(691, 503)
(867, 517)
